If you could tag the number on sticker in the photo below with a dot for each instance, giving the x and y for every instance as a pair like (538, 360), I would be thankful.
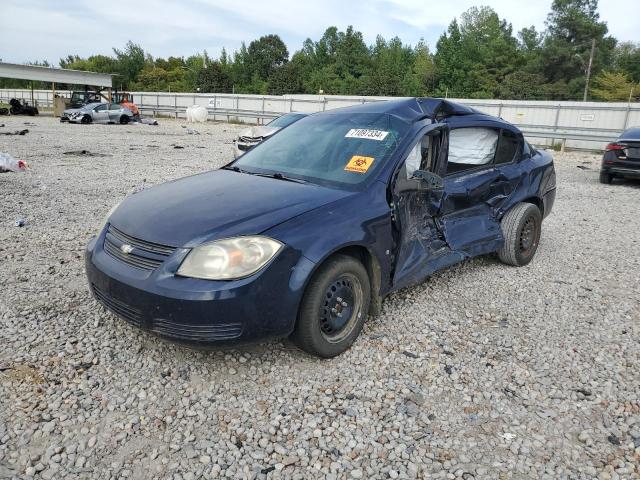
(378, 135)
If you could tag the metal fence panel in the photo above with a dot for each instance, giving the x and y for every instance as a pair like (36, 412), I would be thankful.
(590, 124)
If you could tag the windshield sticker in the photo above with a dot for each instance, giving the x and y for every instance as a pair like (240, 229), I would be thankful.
(378, 135)
(359, 164)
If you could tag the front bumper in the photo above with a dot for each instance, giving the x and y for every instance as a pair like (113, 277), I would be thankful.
(200, 312)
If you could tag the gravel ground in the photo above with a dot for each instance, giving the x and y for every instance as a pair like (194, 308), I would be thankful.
(483, 371)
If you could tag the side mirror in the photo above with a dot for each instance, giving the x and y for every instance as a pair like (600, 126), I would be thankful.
(428, 180)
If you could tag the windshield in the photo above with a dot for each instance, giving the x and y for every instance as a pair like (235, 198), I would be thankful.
(285, 120)
(339, 149)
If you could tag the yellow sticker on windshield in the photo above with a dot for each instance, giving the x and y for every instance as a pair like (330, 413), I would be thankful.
(359, 164)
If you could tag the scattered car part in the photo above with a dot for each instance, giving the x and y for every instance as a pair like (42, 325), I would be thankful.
(314, 227)
(191, 131)
(250, 137)
(621, 159)
(24, 108)
(10, 164)
(85, 153)
(20, 222)
(17, 132)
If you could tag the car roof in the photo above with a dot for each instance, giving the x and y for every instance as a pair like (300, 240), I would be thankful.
(411, 109)
(630, 134)
(92, 105)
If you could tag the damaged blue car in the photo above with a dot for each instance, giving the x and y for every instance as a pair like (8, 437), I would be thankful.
(305, 234)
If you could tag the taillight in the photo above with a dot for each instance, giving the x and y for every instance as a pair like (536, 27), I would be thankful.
(614, 146)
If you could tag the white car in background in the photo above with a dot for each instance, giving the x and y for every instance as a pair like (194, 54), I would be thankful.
(250, 137)
(99, 113)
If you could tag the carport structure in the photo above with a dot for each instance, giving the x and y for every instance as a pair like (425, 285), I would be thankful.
(57, 75)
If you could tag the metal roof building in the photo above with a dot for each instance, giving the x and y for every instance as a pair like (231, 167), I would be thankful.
(55, 75)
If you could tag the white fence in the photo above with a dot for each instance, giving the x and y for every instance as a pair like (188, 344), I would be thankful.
(580, 124)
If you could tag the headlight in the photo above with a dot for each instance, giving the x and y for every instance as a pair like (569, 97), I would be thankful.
(106, 218)
(229, 259)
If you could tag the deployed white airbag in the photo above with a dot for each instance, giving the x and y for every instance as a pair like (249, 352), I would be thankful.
(472, 146)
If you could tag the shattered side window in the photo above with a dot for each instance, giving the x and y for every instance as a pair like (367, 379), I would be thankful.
(418, 158)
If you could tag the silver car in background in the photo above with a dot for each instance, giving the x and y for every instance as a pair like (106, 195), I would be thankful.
(250, 137)
(99, 113)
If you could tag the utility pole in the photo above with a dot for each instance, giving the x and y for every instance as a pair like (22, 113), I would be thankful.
(586, 85)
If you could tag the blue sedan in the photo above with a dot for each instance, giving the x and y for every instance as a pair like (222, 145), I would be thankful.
(304, 235)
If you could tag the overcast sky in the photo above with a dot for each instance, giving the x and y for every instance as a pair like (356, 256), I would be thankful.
(49, 30)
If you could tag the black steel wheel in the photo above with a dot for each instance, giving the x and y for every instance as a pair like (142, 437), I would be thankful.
(334, 307)
(521, 228)
(124, 119)
(86, 119)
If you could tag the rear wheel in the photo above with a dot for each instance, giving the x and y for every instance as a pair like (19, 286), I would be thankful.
(334, 307)
(124, 119)
(521, 228)
(606, 178)
(86, 119)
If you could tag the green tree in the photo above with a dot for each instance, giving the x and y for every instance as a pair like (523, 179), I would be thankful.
(130, 62)
(391, 66)
(420, 80)
(286, 79)
(627, 59)
(614, 87)
(265, 55)
(571, 27)
(474, 57)
(214, 79)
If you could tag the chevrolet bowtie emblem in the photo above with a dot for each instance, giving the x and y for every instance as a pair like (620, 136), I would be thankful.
(126, 249)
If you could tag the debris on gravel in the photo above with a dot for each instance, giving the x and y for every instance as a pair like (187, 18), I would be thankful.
(483, 371)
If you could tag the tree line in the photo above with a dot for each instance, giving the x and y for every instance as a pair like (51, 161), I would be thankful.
(478, 56)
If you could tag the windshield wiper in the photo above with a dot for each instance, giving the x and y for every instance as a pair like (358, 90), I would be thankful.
(276, 175)
(280, 176)
(236, 169)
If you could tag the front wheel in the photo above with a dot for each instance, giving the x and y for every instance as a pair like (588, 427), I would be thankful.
(521, 228)
(86, 119)
(334, 307)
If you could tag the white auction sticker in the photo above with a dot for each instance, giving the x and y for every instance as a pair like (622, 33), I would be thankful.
(368, 134)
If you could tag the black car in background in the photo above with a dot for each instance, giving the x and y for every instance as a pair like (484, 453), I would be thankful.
(621, 158)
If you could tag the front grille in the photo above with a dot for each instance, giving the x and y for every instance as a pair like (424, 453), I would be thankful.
(130, 314)
(145, 255)
(196, 333)
(251, 139)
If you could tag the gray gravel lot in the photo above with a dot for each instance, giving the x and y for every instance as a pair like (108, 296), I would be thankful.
(483, 371)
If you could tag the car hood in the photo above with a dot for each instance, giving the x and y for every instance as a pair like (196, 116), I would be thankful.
(217, 204)
(259, 131)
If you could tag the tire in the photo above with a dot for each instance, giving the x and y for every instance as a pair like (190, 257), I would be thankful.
(124, 120)
(322, 328)
(521, 228)
(606, 178)
(86, 119)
